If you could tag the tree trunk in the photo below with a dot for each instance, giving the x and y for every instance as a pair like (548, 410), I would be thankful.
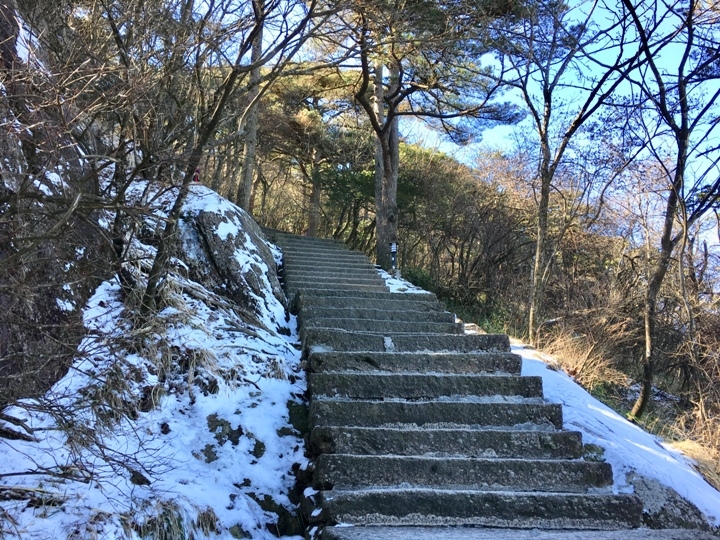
(251, 126)
(387, 164)
(386, 225)
(379, 112)
(537, 282)
(166, 241)
(314, 210)
(667, 244)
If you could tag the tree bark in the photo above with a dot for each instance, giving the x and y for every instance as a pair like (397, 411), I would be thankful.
(315, 198)
(667, 245)
(387, 165)
(537, 282)
(251, 126)
(386, 211)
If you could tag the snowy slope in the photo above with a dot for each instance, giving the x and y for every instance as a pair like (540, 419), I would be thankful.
(178, 424)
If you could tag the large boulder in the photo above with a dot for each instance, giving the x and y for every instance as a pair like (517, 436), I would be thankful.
(226, 251)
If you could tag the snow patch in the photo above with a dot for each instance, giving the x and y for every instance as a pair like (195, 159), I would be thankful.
(42, 188)
(181, 415)
(627, 447)
(65, 305)
(397, 284)
(226, 229)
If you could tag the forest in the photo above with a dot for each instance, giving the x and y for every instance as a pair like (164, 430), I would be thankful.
(591, 229)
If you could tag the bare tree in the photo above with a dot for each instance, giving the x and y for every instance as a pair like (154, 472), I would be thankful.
(292, 29)
(673, 105)
(565, 65)
(251, 121)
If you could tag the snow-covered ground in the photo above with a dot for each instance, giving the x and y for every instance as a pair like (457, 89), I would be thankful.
(176, 427)
(397, 284)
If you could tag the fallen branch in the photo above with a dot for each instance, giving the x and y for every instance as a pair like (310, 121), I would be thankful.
(7, 433)
(36, 497)
(16, 422)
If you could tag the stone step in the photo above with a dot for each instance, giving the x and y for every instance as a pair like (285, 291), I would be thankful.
(309, 262)
(344, 471)
(420, 386)
(336, 283)
(327, 266)
(314, 273)
(520, 413)
(311, 241)
(302, 272)
(467, 533)
(314, 248)
(446, 442)
(371, 325)
(310, 299)
(269, 232)
(348, 282)
(295, 287)
(319, 254)
(320, 243)
(398, 297)
(288, 240)
(330, 339)
(375, 314)
(433, 507)
(507, 363)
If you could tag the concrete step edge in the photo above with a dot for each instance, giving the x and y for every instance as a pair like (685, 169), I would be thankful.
(402, 297)
(328, 339)
(465, 533)
(421, 386)
(383, 327)
(360, 287)
(490, 443)
(317, 299)
(340, 276)
(358, 270)
(322, 254)
(372, 313)
(351, 471)
(432, 507)
(399, 362)
(520, 413)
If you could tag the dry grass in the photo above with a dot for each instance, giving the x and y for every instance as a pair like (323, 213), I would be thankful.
(697, 435)
(590, 364)
(707, 459)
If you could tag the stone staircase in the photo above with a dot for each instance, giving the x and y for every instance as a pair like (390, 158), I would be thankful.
(421, 432)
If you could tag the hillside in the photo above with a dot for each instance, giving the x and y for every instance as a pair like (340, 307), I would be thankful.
(176, 427)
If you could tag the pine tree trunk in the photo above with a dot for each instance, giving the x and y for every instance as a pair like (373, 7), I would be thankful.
(386, 171)
(386, 225)
(315, 198)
